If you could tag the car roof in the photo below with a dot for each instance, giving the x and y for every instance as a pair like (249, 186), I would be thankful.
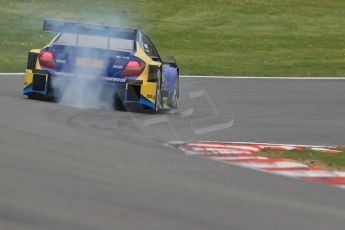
(61, 26)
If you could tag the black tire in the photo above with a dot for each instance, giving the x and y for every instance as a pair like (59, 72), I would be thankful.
(35, 96)
(118, 103)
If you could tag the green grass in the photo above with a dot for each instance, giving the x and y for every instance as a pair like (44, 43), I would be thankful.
(310, 157)
(212, 37)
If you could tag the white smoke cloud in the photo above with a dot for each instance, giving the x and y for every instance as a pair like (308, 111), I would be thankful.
(83, 93)
(85, 89)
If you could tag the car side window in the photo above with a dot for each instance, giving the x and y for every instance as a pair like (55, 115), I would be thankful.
(148, 46)
(153, 49)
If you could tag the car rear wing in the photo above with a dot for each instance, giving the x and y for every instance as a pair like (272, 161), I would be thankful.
(91, 29)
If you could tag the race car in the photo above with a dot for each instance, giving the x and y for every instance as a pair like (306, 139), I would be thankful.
(124, 59)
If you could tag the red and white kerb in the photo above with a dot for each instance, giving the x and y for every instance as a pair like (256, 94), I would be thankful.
(243, 154)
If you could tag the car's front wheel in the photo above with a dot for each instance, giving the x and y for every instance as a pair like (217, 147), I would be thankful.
(174, 95)
(158, 102)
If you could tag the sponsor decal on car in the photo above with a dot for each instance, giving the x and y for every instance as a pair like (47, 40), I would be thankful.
(114, 79)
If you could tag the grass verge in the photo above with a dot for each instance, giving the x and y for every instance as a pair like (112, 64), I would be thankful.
(211, 37)
(331, 161)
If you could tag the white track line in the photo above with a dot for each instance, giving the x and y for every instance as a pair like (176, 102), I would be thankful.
(308, 173)
(238, 158)
(11, 74)
(280, 164)
(267, 78)
(257, 143)
(231, 77)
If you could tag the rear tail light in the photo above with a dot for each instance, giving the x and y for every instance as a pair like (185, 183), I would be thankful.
(46, 59)
(133, 68)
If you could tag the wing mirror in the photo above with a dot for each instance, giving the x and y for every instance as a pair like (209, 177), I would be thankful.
(154, 58)
(170, 60)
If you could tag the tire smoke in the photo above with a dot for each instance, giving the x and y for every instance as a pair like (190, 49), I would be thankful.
(83, 93)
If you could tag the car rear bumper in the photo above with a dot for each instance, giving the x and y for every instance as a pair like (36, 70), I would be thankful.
(130, 90)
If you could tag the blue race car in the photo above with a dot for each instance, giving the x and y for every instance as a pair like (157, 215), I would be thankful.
(122, 59)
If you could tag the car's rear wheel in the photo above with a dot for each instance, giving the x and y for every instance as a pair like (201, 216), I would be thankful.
(35, 96)
(118, 103)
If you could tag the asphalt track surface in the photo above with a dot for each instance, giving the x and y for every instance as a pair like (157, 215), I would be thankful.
(69, 168)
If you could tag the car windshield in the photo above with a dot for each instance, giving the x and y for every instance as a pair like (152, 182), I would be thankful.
(95, 41)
